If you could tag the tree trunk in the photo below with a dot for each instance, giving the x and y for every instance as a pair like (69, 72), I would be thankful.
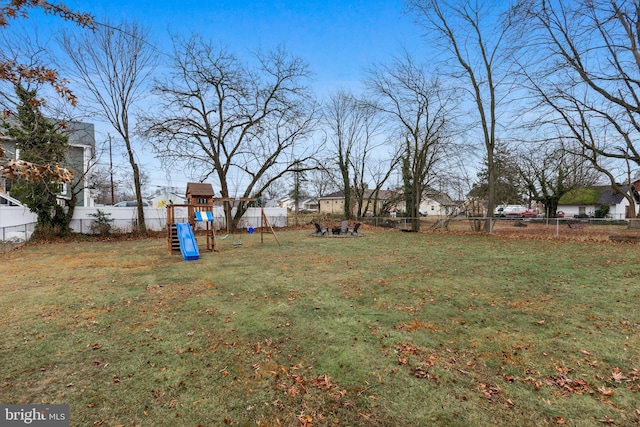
(142, 227)
(491, 196)
(68, 215)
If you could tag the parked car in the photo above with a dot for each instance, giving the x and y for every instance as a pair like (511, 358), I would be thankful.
(510, 211)
(529, 214)
(129, 204)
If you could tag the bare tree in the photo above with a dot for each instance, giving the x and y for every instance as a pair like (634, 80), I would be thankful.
(474, 37)
(354, 128)
(245, 126)
(551, 170)
(594, 105)
(419, 110)
(322, 180)
(113, 64)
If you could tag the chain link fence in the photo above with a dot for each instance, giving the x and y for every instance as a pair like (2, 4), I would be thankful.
(599, 229)
(15, 236)
(593, 229)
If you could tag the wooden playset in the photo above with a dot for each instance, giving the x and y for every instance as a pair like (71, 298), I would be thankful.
(199, 206)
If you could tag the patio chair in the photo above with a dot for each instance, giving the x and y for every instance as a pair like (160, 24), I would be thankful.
(320, 230)
(344, 227)
(354, 232)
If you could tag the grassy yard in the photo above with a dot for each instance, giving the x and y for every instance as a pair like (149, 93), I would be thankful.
(391, 329)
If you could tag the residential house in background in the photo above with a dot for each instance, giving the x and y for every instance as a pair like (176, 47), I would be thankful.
(80, 153)
(289, 203)
(167, 195)
(334, 203)
(583, 201)
(437, 203)
(308, 205)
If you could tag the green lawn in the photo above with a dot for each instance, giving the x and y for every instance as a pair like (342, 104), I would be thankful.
(391, 329)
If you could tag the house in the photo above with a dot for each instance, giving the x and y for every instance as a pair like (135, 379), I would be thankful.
(80, 152)
(433, 203)
(437, 203)
(310, 205)
(287, 202)
(290, 204)
(7, 200)
(583, 201)
(166, 196)
(334, 203)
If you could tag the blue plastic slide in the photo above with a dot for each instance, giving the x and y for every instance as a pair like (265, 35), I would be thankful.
(188, 244)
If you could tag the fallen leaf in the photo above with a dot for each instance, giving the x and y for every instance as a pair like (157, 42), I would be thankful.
(605, 391)
(617, 375)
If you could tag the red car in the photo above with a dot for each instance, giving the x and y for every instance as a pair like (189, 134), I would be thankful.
(529, 214)
(520, 213)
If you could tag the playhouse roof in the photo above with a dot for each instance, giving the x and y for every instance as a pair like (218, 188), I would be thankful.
(199, 189)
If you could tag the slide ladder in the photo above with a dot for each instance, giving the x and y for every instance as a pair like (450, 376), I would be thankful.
(188, 244)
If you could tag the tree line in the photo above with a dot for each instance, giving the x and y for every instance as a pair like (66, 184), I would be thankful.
(543, 92)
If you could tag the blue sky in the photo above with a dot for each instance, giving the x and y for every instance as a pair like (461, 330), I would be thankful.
(338, 39)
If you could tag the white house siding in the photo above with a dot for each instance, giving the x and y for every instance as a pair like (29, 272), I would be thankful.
(618, 211)
(11, 216)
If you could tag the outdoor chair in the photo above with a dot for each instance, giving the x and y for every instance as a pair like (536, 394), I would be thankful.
(320, 229)
(344, 227)
(354, 232)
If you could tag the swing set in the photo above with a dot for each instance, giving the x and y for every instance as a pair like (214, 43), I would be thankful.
(199, 206)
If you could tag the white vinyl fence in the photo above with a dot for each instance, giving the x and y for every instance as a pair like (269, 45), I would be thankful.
(18, 223)
(125, 219)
